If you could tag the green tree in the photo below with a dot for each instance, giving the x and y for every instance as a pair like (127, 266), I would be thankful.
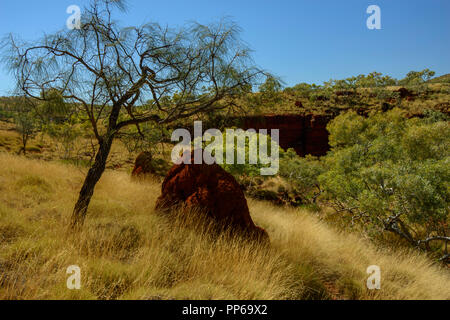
(270, 92)
(304, 90)
(417, 77)
(392, 174)
(145, 138)
(53, 108)
(65, 134)
(303, 173)
(375, 79)
(26, 122)
(270, 86)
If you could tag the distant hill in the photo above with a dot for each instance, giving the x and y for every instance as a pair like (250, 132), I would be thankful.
(442, 79)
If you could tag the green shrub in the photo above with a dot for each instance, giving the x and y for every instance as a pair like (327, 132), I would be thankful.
(386, 95)
(302, 173)
(392, 174)
(65, 133)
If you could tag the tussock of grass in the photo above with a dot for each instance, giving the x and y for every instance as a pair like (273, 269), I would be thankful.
(127, 251)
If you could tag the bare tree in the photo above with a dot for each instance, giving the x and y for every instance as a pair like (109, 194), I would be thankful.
(109, 72)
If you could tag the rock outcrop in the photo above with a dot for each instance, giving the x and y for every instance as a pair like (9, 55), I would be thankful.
(306, 134)
(405, 93)
(215, 192)
(143, 165)
(443, 107)
(345, 93)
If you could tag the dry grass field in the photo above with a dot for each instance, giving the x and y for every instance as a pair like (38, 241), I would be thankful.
(127, 251)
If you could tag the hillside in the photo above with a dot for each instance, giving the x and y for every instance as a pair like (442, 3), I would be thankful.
(127, 251)
(441, 79)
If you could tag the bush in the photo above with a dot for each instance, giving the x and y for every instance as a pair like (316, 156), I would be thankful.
(392, 174)
(302, 173)
(66, 133)
(6, 115)
(26, 124)
(147, 138)
(386, 95)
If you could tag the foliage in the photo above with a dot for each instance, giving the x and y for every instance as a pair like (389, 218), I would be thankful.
(53, 108)
(392, 174)
(270, 86)
(303, 90)
(269, 92)
(26, 123)
(264, 146)
(145, 137)
(375, 79)
(372, 80)
(65, 134)
(417, 77)
(383, 94)
(302, 173)
(435, 116)
(320, 95)
(5, 114)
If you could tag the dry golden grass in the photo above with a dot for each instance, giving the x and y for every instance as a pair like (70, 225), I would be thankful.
(127, 251)
(44, 147)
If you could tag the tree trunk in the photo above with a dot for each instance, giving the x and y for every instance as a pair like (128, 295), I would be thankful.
(24, 146)
(93, 176)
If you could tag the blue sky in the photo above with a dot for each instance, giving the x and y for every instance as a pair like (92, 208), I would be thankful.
(297, 40)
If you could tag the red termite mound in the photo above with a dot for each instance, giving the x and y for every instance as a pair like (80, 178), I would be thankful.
(214, 191)
(143, 164)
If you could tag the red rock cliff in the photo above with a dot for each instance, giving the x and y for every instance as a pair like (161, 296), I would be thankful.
(307, 134)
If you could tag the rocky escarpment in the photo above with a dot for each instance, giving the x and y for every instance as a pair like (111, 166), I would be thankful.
(306, 134)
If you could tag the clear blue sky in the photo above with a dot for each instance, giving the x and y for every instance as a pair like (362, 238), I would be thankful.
(298, 40)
